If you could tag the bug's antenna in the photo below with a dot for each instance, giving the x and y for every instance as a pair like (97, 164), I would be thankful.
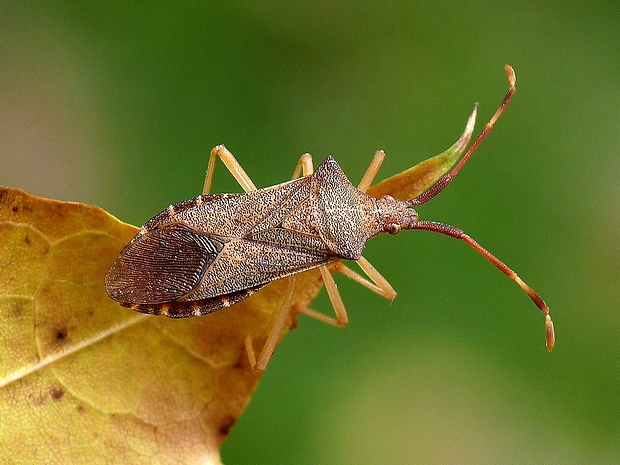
(451, 231)
(447, 178)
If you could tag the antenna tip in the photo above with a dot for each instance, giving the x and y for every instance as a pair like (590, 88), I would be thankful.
(550, 332)
(510, 72)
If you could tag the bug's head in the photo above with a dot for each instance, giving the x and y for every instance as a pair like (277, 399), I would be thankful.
(396, 215)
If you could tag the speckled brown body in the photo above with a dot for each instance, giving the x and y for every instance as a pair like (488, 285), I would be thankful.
(209, 252)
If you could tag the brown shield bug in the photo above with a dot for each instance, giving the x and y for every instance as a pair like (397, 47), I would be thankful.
(212, 251)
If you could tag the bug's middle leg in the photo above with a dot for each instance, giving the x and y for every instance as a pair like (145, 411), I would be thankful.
(379, 284)
(342, 319)
(233, 166)
(305, 168)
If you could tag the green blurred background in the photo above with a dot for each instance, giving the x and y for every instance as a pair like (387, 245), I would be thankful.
(118, 104)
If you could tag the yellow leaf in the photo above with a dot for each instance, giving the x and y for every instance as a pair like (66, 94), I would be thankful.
(83, 379)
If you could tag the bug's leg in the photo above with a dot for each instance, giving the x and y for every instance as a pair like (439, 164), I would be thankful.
(372, 171)
(248, 342)
(233, 166)
(274, 335)
(379, 284)
(304, 166)
(342, 318)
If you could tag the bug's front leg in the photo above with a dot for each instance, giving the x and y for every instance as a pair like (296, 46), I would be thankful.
(371, 171)
(305, 168)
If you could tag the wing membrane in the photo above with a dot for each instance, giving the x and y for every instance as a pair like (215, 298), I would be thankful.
(162, 265)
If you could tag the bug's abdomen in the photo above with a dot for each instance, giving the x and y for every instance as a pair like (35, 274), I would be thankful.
(161, 265)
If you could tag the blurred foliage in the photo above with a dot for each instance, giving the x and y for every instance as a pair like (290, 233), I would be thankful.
(118, 104)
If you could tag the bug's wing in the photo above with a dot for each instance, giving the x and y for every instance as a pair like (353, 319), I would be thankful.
(161, 266)
(258, 259)
(235, 243)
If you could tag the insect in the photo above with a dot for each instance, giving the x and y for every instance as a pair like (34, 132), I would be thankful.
(212, 251)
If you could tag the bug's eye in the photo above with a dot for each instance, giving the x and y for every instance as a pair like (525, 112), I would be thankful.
(393, 228)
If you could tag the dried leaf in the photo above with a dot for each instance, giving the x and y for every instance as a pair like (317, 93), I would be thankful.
(83, 379)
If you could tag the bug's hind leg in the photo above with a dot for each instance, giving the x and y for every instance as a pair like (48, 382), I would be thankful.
(233, 166)
(274, 335)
